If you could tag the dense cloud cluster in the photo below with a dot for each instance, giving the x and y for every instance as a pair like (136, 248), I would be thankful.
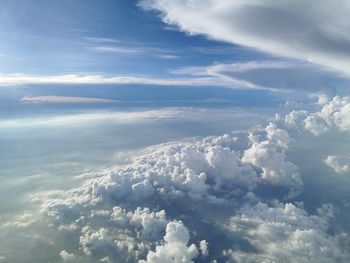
(175, 249)
(233, 197)
(285, 233)
(334, 115)
(269, 156)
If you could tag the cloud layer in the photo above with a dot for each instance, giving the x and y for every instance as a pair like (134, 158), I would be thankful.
(156, 209)
(239, 197)
(315, 31)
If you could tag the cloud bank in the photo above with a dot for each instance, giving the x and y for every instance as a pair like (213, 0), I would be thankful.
(239, 197)
(156, 208)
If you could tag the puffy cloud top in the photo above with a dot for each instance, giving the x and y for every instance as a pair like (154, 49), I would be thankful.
(285, 233)
(334, 114)
(176, 200)
(175, 249)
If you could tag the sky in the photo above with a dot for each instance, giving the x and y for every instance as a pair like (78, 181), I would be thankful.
(174, 131)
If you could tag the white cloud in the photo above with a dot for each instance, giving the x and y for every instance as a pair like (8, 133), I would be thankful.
(94, 117)
(126, 237)
(333, 115)
(116, 49)
(20, 221)
(63, 99)
(287, 76)
(200, 171)
(312, 31)
(323, 98)
(175, 249)
(218, 68)
(207, 172)
(338, 164)
(295, 119)
(285, 233)
(269, 155)
(242, 119)
(66, 256)
(203, 246)
(337, 113)
(151, 223)
(135, 50)
(109, 45)
(132, 212)
(273, 75)
(315, 124)
(280, 137)
(22, 79)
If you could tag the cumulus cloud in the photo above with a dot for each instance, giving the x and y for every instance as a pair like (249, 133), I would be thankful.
(206, 172)
(175, 249)
(312, 31)
(269, 156)
(198, 171)
(203, 246)
(285, 233)
(278, 136)
(215, 198)
(66, 256)
(338, 164)
(129, 236)
(294, 119)
(333, 115)
(315, 124)
(337, 113)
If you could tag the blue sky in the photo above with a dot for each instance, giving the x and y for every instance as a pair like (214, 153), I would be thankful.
(190, 130)
(44, 41)
(109, 37)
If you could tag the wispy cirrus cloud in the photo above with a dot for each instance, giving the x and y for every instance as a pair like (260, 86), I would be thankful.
(116, 49)
(274, 75)
(179, 113)
(108, 45)
(62, 100)
(24, 79)
(82, 118)
(271, 75)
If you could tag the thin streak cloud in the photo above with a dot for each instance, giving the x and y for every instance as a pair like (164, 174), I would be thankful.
(62, 99)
